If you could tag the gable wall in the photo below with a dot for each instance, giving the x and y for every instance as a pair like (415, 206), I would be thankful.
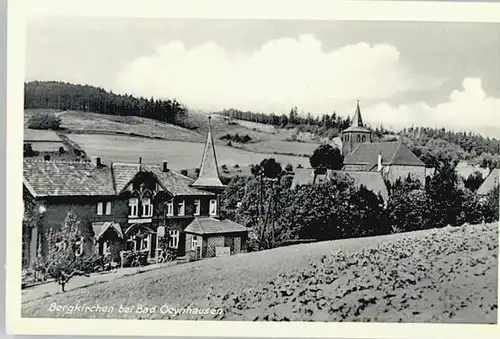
(401, 171)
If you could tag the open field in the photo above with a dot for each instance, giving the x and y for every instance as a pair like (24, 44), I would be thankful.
(180, 155)
(265, 138)
(83, 122)
(446, 275)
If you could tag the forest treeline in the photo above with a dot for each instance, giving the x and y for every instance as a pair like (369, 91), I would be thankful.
(66, 96)
(432, 145)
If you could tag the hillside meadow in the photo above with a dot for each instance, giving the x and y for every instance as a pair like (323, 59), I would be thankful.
(438, 275)
(179, 154)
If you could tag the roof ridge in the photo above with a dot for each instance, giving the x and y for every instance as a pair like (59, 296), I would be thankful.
(57, 161)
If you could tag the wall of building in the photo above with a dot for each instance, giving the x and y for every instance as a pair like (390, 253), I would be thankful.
(395, 172)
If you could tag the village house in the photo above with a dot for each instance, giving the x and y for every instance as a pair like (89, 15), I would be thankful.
(129, 207)
(490, 183)
(394, 160)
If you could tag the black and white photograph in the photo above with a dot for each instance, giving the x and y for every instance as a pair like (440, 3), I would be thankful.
(260, 170)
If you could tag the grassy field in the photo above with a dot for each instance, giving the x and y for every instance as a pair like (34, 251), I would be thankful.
(179, 154)
(265, 138)
(447, 275)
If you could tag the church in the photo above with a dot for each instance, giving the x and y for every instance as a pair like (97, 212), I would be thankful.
(393, 159)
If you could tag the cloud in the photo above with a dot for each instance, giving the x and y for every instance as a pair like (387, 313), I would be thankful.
(281, 73)
(468, 109)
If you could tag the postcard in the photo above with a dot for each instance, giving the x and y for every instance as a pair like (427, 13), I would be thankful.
(257, 169)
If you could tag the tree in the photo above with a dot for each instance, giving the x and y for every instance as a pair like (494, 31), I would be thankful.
(62, 261)
(407, 210)
(289, 168)
(491, 205)
(474, 181)
(444, 196)
(44, 121)
(326, 157)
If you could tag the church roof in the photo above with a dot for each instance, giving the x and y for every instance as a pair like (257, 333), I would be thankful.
(357, 122)
(209, 170)
(393, 153)
(490, 183)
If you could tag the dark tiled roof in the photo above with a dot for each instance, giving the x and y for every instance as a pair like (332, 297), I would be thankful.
(490, 183)
(393, 153)
(63, 178)
(209, 171)
(54, 178)
(373, 181)
(176, 183)
(123, 174)
(214, 226)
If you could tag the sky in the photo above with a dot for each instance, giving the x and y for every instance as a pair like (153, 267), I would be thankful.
(403, 73)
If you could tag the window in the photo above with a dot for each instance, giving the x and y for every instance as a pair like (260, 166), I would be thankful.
(133, 207)
(79, 247)
(181, 208)
(197, 207)
(364, 138)
(145, 243)
(194, 242)
(170, 208)
(99, 208)
(147, 208)
(358, 139)
(213, 207)
(104, 208)
(173, 241)
(106, 248)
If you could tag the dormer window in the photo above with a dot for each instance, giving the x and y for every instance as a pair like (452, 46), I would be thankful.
(147, 207)
(197, 207)
(170, 208)
(213, 207)
(133, 207)
(181, 208)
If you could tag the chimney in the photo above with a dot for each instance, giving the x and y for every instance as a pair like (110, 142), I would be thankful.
(46, 157)
(96, 161)
(164, 166)
(379, 162)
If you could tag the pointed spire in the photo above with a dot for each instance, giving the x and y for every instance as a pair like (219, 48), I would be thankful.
(357, 120)
(209, 170)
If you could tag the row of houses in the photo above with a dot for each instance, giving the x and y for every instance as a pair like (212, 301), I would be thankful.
(129, 207)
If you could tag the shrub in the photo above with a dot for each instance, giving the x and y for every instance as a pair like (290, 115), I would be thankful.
(44, 121)
(289, 168)
(184, 172)
(61, 150)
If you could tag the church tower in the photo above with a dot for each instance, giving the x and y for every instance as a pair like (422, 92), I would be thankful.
(355, 134)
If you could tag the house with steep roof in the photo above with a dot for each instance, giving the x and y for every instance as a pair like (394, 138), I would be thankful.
(490, 183)
(392, 159)
(129, 207)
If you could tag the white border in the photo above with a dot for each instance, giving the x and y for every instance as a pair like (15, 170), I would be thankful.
(19, 10)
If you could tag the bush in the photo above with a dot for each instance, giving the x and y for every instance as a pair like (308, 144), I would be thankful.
(44, 121)
(184, 172)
